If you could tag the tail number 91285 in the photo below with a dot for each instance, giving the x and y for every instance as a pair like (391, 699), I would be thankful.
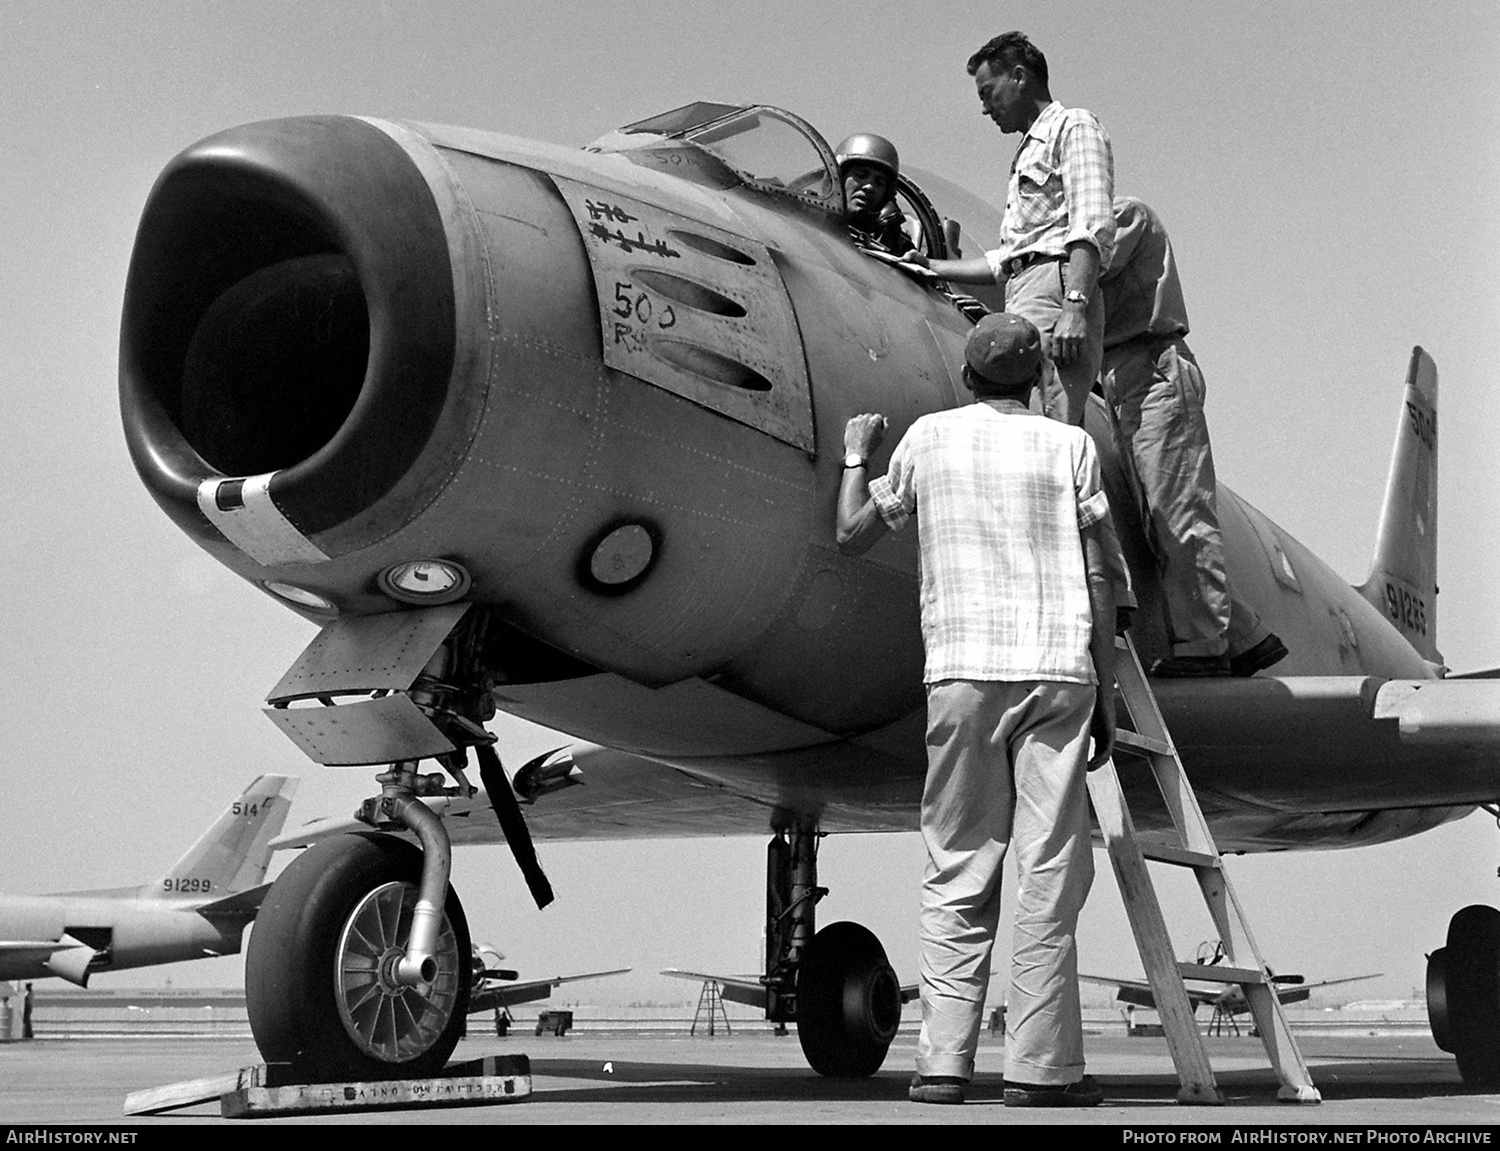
(1409, 611)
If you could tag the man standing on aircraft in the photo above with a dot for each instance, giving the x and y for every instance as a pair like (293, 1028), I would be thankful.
(1058, 229)
(1154, 391)
(1018, 624)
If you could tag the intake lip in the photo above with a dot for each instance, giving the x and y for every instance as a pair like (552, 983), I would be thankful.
(289, 308)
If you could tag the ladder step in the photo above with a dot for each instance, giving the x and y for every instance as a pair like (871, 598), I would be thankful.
(1179, 856)
(1142, 743)
(1218, 973)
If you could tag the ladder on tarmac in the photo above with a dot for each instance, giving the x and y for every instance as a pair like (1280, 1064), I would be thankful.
(1194, 849)
(711, 1002)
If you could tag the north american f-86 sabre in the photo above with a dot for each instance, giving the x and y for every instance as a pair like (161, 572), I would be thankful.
(558, 431)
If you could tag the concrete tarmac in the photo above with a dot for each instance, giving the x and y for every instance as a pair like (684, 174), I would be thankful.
(1369, 1080)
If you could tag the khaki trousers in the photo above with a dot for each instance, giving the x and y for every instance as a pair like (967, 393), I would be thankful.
(1005, 762)
(1037, 294)
(1155, 393)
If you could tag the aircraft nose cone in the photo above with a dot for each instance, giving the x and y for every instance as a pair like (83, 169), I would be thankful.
(290, 301)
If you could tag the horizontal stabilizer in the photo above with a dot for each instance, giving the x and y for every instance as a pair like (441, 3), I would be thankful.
(241, 906)
(1453, 712)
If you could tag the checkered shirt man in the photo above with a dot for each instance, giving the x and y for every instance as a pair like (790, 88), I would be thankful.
(1003, 586)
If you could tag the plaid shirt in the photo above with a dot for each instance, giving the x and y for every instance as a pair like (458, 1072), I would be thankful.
(1062, 182)
(1002, 498)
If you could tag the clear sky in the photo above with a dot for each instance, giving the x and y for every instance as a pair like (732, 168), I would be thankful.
(1329, 174)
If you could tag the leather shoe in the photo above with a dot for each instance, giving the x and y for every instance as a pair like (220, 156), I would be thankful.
(1268, 651)
(1085, 1093)
(937, 1089)
(1191, 666)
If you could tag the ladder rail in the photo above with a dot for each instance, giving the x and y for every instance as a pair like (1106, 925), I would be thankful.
(1197, 851)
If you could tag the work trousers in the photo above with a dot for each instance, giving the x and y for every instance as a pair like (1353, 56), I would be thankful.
(1037, 294)
(1155, 392)
(1005, 762)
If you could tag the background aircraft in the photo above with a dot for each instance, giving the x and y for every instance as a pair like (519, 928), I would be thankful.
(1227, 1002)
(498, 988)
(1273, 171)
(198, 908)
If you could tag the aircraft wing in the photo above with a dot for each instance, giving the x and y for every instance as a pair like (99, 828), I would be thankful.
(493, 995)
(1300, 991)
(1139, 994)
(749, 990)
(746, 989)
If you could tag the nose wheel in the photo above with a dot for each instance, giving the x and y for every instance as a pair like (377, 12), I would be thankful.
(322, 986)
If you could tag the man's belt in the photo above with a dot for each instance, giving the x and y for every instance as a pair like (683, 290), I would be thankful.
(1018, 264)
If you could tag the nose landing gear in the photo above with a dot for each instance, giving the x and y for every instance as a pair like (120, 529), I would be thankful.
(322, 985)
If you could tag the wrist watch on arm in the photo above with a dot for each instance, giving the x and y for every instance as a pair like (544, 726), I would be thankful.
(853, 460)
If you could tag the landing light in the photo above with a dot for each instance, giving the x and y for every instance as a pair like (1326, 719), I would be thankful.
(425, 581)
(299, 596)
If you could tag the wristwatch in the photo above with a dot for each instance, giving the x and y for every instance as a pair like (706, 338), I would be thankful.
(854, 460)
(1074, 296)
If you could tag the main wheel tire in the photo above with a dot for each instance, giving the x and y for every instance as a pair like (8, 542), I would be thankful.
(1439, 1018)
(318, 982)
(848, 1002)
(1472, 986)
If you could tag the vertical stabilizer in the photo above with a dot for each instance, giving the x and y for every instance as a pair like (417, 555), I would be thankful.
(234, 853)
(1403, 576)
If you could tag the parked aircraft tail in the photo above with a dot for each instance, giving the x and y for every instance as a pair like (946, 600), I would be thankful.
(1403, 575)
(234, 853)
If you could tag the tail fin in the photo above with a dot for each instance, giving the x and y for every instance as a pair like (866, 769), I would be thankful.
(1403, 575)
(234, 853)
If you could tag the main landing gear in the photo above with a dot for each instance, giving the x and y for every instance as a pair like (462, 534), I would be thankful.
(835, 983)
(1463, 994)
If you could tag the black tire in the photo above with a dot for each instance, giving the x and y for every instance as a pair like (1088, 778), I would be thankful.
(313, 983)
(1472, 985)
(1438, 1016)
(848, 1002)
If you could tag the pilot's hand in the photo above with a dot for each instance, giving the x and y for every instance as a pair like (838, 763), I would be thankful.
(863, 434)
(1102, 727)
(1069, 335)
(916, 256)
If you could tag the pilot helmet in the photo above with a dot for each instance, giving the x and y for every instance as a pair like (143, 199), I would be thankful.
(867, 148)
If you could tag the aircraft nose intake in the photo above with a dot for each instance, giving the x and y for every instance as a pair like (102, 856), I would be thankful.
(290, 301)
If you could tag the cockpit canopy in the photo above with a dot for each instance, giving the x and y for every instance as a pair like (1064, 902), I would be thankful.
(765, 147)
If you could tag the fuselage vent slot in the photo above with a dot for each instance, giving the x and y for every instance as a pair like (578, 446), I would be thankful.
(711, 247)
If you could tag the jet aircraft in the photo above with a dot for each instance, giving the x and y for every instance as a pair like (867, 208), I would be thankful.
(198, 908)
(1227, 1002)
(558, 432)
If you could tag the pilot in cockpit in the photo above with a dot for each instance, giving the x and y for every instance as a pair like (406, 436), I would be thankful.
(868, 166)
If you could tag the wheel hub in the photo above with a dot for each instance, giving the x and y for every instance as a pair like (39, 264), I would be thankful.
(391, 1021)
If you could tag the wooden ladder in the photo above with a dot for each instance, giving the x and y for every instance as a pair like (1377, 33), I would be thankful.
(1195, 850)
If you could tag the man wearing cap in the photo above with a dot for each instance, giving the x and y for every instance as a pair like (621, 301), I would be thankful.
(1058, 228)
(1018, 624)
(1154, 391)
